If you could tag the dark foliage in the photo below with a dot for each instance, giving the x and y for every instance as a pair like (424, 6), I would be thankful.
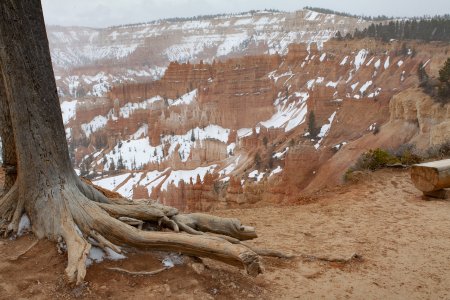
(333, 12)
(426, 29)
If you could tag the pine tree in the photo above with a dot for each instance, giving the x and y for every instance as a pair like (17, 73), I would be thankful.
(120, 165)
(444, 73)
(312, 125)
(444, 78)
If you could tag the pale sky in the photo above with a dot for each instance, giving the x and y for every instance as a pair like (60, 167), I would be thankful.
(102, 13)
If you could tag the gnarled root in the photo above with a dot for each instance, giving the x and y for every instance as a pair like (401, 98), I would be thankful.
(122, 234)
(77, 250)
(82, 222)
(207, 223)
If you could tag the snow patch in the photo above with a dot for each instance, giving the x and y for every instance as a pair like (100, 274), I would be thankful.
(24, 225)
(324, 130)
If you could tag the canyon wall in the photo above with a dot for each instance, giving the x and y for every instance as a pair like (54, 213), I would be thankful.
(239, 132)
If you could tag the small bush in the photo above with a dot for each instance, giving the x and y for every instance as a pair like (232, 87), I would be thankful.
(375, 159)
(440, 151)
(407, 154)
(379, 158)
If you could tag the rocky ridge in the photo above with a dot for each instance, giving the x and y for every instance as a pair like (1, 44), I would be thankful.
(89, 61)
(190, 141)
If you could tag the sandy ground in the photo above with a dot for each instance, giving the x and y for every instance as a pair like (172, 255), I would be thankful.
(403, 244)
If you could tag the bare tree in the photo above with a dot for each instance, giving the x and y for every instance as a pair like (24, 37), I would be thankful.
(59, 204)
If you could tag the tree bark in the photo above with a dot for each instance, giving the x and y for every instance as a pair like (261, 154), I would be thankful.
(61, 206)
(6, 133)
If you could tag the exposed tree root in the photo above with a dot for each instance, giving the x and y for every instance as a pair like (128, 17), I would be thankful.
(147, 273)
(224, 226)
(97, 194)
(104, 243)
(141, 212)
(24, 252)
(81, 222)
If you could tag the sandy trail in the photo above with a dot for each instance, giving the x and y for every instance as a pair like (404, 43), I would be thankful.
(404, 242)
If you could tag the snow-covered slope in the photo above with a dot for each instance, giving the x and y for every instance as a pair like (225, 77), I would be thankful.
(205, 38)
(88, 61)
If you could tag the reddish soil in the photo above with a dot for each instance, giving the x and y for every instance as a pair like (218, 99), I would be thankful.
(403, 242)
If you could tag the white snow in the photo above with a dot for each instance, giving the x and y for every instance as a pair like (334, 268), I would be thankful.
(230, 148)
(140, 133)
(185, 99)
(97, 255)
(353, 86)
(186, 175)
(127, 189)
(152, 179)
(377, 63)
(311, 15)
(363, 89)
(256, 175)
(276, 171)
(68, 109)
(128, 109)
(279, 155)
(230, 168)
(97, 123)
(324, 130)
(310, 84)
(24, 225)
(360, 58)
(111, 183)
(232, 42)
(400, 63)
(372, 127)
(244, 132)
(322, 57)
(386, 63)
(374, 94)
(344, 61)
(332, 84)
(288, 115)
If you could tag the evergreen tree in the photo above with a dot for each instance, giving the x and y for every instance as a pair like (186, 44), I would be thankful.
(257, 160)
(444, 72)
(265, 141)
(312, 124)
(444, 86)
(120, 165)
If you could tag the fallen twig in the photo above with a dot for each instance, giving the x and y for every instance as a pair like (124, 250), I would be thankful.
(140, 272)
(354, 256)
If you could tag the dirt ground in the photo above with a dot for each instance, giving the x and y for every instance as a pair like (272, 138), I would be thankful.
(402, 244)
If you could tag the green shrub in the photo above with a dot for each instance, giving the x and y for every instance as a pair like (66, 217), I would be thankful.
(375, 159)
(407, 154)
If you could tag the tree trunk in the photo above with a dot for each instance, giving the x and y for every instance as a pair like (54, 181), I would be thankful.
(432, 176)
(6, 134)
(58, 203)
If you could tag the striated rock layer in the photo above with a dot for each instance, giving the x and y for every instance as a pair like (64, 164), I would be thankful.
(239, 132)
